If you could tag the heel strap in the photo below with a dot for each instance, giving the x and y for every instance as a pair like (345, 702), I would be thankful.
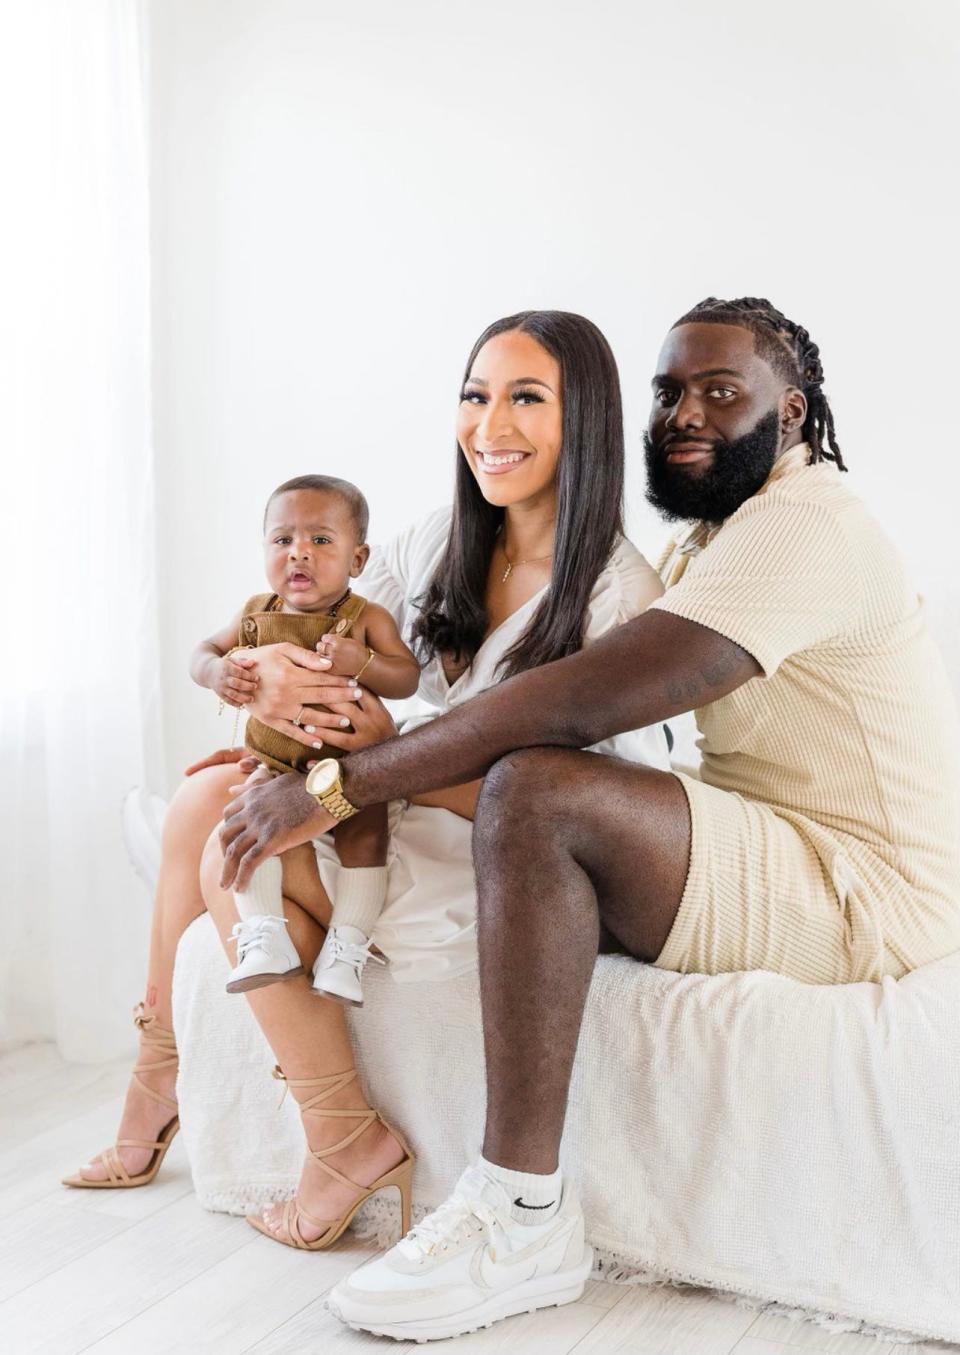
(155, 1037)
(110, 1158)
(313, 1105)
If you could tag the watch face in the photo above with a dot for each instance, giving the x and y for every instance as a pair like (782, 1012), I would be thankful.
(323, 776)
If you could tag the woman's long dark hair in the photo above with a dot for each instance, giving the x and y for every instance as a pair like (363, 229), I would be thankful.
(453, 614)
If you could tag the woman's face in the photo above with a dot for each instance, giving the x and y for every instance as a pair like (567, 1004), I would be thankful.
(509, 424)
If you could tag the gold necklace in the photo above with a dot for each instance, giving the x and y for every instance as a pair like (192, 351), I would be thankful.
(515, 564)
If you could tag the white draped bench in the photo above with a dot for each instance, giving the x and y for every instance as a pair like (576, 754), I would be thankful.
(789, 1143)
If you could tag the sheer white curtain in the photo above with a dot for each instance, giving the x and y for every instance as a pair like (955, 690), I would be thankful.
(78, 676)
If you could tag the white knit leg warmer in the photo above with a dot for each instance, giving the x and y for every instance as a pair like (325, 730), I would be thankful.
(263, 897)
(361, 894)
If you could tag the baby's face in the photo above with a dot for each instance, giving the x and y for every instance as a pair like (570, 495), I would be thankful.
(310, 549)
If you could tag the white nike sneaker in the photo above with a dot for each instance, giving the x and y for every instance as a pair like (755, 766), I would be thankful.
(265, 954)
(338, 970)
(467, 1265)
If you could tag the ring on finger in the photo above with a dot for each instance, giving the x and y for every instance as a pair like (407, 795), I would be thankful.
(299, 717)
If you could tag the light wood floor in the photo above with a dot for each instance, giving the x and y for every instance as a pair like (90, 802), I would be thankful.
(148, 1271)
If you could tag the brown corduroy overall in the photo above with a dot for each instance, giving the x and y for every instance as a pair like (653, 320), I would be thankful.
(263, 623)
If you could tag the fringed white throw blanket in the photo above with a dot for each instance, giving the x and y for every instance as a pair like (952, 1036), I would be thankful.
(792, 1145)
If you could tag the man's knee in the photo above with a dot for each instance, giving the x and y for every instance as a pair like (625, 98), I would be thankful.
(522, 785)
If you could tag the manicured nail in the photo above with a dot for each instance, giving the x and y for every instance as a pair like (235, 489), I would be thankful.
(318, 745)
(311, 729)
(344, 723)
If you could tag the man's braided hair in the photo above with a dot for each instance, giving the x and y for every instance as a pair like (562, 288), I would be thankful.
(792, 354)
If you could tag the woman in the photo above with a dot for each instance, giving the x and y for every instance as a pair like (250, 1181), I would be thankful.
(529, 565)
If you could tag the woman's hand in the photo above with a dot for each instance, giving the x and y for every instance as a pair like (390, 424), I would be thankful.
(244, 759)
(351, 726)
(290, 679)
(265, 820)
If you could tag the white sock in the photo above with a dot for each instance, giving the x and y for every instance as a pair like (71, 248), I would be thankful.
(533, 1198)
(263, 897)
(361, 894)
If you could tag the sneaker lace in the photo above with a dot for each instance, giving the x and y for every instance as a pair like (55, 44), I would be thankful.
(254, 933)
(353, 953)
(455, 1219)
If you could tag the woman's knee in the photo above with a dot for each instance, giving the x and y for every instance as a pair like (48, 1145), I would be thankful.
(211, 868)
(196, 807)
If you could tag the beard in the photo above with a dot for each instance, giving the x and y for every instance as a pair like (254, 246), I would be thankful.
(739, 469)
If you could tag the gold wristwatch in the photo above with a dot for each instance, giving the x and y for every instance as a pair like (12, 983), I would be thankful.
(326, 787)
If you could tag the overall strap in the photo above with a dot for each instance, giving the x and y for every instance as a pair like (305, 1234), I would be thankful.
(347, 613)
(261, 602)
(255, 606)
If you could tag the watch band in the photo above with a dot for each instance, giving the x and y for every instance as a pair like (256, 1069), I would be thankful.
(337, 804)
(332, 799)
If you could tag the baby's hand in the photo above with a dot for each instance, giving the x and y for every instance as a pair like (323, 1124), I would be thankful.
(347, 656)
(234, 684)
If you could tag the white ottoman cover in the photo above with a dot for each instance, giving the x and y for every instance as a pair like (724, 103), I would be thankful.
(791, 1144)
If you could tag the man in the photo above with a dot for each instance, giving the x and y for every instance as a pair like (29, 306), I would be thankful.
(819, 842)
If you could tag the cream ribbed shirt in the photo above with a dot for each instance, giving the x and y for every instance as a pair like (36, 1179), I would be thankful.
(851, 734)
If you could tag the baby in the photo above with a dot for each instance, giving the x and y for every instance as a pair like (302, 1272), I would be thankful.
(315, 530)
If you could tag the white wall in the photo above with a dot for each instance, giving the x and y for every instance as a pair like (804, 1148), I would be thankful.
(345, 194)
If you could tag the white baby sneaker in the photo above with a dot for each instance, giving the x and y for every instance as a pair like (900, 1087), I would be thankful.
(339, 968)
(265, 954)
(467, 1265)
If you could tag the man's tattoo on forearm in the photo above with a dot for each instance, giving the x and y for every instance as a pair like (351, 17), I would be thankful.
(682, 691)
(691, 688)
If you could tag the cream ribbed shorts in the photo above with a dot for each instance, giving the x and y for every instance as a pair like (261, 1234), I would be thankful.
(758, 897)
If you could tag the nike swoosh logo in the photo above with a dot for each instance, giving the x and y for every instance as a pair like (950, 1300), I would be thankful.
(520, 1204)
(503, 1274)
(513, 1268)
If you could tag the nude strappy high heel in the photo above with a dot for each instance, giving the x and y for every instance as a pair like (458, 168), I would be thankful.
(400, 1176)
(164, 1043)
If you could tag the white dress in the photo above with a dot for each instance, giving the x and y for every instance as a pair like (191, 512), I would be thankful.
(428, 927)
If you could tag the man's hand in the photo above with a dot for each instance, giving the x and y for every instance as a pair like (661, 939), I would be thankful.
(265, 820)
